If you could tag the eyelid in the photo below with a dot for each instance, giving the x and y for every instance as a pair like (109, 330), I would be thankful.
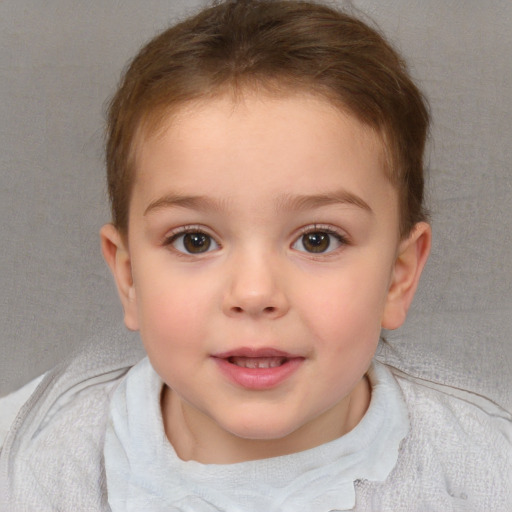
(324, 228)
(329, 229)
(170, 237)
(187, 228)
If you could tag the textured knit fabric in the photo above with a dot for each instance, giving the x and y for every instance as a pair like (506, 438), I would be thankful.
(11, 404)
(457, 455)
(52, 459)
(456, 458)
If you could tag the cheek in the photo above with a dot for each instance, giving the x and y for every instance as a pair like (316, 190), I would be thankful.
(171, 333)
(173, 312)
(347, 314)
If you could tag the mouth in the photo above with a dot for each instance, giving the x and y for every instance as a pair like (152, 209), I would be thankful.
(257, 362)
(258, 369)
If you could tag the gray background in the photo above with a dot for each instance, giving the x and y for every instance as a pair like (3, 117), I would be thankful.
(61, 59)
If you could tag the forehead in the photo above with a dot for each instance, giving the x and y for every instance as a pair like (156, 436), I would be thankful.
(265, 144)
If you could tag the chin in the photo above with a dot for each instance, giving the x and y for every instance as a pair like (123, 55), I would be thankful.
(261, 431)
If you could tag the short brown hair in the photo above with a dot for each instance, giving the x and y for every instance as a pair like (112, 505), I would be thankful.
(275, 45)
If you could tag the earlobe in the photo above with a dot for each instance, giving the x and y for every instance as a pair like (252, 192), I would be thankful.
(117, 256)
(411, 258)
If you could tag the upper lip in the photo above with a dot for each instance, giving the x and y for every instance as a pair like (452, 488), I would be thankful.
(255, 352)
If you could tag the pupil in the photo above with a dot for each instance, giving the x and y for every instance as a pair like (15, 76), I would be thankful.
(316, 242)
(196, 242)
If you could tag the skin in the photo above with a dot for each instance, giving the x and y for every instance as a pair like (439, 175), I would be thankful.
(259, 180)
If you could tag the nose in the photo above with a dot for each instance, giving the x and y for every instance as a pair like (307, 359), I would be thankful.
(255, 288)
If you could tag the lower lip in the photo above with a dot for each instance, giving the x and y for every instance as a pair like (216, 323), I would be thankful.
(259, 378)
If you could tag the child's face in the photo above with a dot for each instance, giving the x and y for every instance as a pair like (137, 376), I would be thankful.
(263, 244)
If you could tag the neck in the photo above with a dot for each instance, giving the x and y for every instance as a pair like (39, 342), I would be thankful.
(195, 436)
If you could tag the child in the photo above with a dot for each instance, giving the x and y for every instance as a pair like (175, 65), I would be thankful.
(265, 164)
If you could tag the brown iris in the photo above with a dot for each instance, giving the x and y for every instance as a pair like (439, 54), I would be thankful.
(317, 241)
(196, 243)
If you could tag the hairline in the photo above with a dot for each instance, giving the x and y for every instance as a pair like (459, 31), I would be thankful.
(155, 118)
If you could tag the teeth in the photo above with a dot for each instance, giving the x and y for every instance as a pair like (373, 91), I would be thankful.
(257, 362)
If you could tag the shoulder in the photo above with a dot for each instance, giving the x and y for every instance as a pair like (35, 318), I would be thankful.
(11, 404)
(460, 415)
(457, 455)
(459, 444)
(53, 454)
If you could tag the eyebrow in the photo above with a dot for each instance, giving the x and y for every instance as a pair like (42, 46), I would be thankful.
(179, 201)
(309, 202)
(285, 202)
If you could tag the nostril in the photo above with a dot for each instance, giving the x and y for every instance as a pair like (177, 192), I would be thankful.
(268, 309)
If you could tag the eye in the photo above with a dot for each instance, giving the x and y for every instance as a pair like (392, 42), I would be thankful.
(193, 242)
(319, 241)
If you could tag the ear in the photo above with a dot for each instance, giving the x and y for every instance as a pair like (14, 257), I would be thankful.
(411, 258)
(117, 256)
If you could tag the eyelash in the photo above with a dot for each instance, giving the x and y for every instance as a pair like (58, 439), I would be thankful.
(324, 229)
(173, 237)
